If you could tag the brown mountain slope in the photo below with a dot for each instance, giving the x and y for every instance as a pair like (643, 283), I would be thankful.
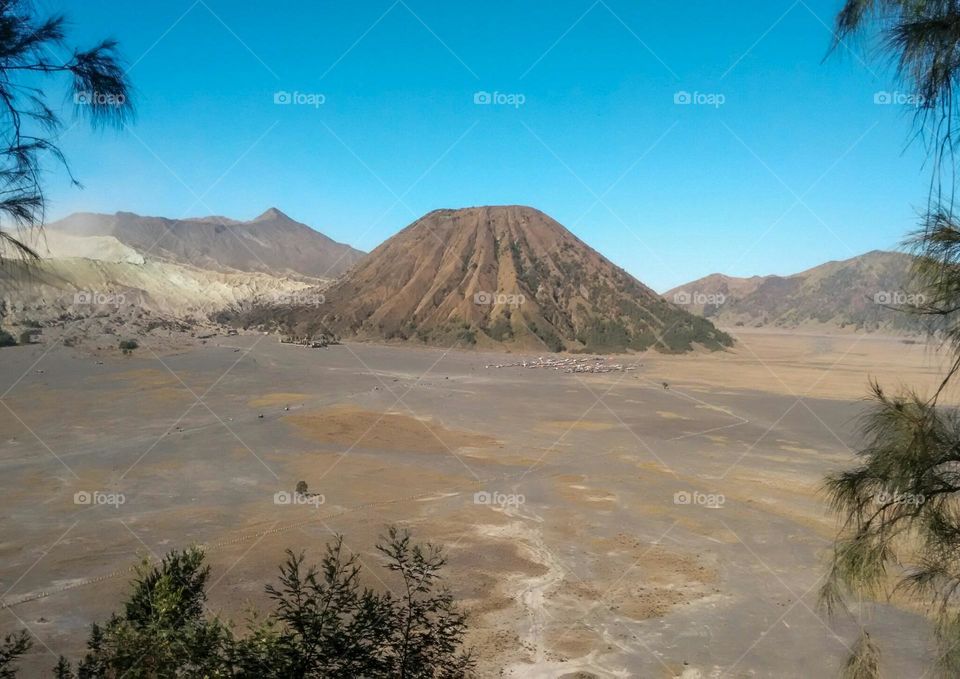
(855, 293)
(272, 243)
(489, 275)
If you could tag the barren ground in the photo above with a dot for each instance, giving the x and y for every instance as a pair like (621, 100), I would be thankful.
(599, 568)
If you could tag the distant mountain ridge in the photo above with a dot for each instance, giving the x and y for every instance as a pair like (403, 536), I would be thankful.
(272, 243)
(103, 274)
(850, 294)
(490, 276)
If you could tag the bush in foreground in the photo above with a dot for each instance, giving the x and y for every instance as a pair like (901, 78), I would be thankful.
(323, 623)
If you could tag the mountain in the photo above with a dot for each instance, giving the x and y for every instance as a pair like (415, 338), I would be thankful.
(489, 276)
(97, 278)
(852, 294)
(53, 290)
(89, 288)
(273, 243)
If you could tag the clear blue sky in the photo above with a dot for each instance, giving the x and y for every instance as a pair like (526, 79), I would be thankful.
(797, 166)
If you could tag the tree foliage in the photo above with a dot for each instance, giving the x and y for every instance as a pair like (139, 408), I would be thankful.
(13, 646)
(920, 38)
(163, 630)
(324, 623)
(98, 87)
(900, 506)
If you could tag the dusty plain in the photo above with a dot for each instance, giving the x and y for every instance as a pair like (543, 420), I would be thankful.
(662, 522)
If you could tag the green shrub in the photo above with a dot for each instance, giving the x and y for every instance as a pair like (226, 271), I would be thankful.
(548, 336)
(501, 330)
(323, 623)
(6, 339)
(127, 346)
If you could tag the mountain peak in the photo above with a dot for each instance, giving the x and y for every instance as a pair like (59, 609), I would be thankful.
(511, 223)
(487, 210)
(495, 275)
(271, 214)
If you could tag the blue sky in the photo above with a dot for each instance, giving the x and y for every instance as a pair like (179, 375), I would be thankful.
(784, 160)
